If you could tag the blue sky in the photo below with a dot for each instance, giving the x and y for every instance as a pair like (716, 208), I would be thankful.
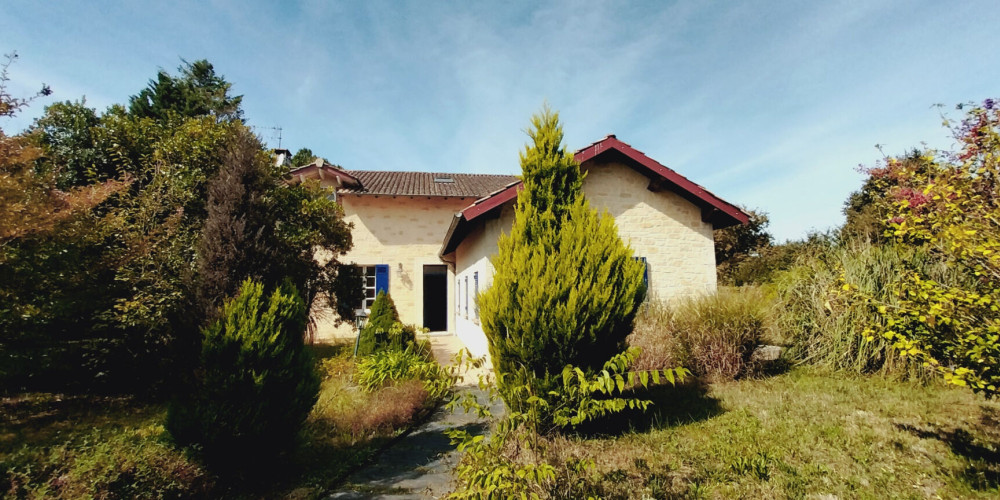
(768, 104)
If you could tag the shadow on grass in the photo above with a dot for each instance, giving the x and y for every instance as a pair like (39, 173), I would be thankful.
(982, 471)
(323, 351)
(41, 419)
(672, 406)
(773, 368)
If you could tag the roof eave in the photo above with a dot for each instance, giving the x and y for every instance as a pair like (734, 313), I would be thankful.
(450, 242)
(714, 209)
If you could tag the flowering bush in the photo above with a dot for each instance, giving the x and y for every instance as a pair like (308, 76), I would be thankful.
(950, 206)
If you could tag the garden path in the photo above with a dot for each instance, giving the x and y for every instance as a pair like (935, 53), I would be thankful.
(419, 465)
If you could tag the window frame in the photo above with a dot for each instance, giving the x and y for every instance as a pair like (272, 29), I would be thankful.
(369, 272)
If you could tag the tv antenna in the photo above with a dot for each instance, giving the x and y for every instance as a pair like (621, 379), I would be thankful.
(275, 133)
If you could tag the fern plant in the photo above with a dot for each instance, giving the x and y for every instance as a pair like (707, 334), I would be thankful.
(486, 470)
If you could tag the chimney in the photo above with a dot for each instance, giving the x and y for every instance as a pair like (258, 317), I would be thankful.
(282, 157)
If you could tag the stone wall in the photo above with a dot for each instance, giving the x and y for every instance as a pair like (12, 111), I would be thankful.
(661, 226)
(472, 257)
(405, 232)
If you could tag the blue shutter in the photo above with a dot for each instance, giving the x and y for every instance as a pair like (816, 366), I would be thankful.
(381, 278)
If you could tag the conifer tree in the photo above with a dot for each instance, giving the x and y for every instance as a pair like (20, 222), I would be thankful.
(566, 287)
(256, 382)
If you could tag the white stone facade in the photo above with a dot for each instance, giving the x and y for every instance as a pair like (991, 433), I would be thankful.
(661, 226)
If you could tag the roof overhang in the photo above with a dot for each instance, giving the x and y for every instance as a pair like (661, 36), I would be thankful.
(323, 171)
(485, 207)
(714, 210)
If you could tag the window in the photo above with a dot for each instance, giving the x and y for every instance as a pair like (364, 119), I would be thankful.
(466, 297)
(376, 278)
(475, 296)
(645, 271)
(458, 295)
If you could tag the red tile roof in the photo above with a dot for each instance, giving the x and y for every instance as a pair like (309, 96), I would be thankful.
(374, 182)
(715, 210)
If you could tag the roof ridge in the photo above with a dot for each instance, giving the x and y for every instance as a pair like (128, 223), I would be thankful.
(429, 173)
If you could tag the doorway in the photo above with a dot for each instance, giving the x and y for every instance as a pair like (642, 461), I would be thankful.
(436, 298)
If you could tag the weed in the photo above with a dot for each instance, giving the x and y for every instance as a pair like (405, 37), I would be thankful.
(758, 465)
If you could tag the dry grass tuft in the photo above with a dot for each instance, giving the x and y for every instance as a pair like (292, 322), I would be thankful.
(383, 411)
(713, 335)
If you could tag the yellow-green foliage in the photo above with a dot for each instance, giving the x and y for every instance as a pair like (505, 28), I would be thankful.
(953, 211)
(566, 287)
(384, 330)
(826, 327)
(388, 366)
(513, 459)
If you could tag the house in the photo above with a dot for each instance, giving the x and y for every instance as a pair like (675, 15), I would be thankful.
(427, 237)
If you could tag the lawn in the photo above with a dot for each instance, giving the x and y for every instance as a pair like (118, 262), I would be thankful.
(799, 434)
(54, 445)
(802, 434)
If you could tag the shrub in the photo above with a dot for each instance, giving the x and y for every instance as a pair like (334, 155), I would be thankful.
(256, 382)
(712, 335)
(826, 327)
(347, 413)
(383, 330)
(566, 288)
(516, 456)
(950, 208)
(387, 409)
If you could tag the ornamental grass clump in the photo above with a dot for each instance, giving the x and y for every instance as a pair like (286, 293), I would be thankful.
(255, 382)
(712, 335)
(566, 288)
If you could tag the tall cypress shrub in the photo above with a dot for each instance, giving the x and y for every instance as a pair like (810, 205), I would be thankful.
(566, 287)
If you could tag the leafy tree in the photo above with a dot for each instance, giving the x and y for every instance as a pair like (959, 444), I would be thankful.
(566, 287)
(10, 105)
(952, 209)
(736, 244)
(116, 266)
(256, 380)
(303, 156)
(32, 204)
(232, 247)
(867, 210)
(262, 228)
(197, 91)
(42, 232)
(66, 134)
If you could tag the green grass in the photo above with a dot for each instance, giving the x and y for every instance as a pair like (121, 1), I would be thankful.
(60, 446)
(804, 434)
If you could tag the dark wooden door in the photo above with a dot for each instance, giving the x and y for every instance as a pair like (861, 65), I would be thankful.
(436, 298)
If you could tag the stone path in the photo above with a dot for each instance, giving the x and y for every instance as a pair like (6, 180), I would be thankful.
(418, 465)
